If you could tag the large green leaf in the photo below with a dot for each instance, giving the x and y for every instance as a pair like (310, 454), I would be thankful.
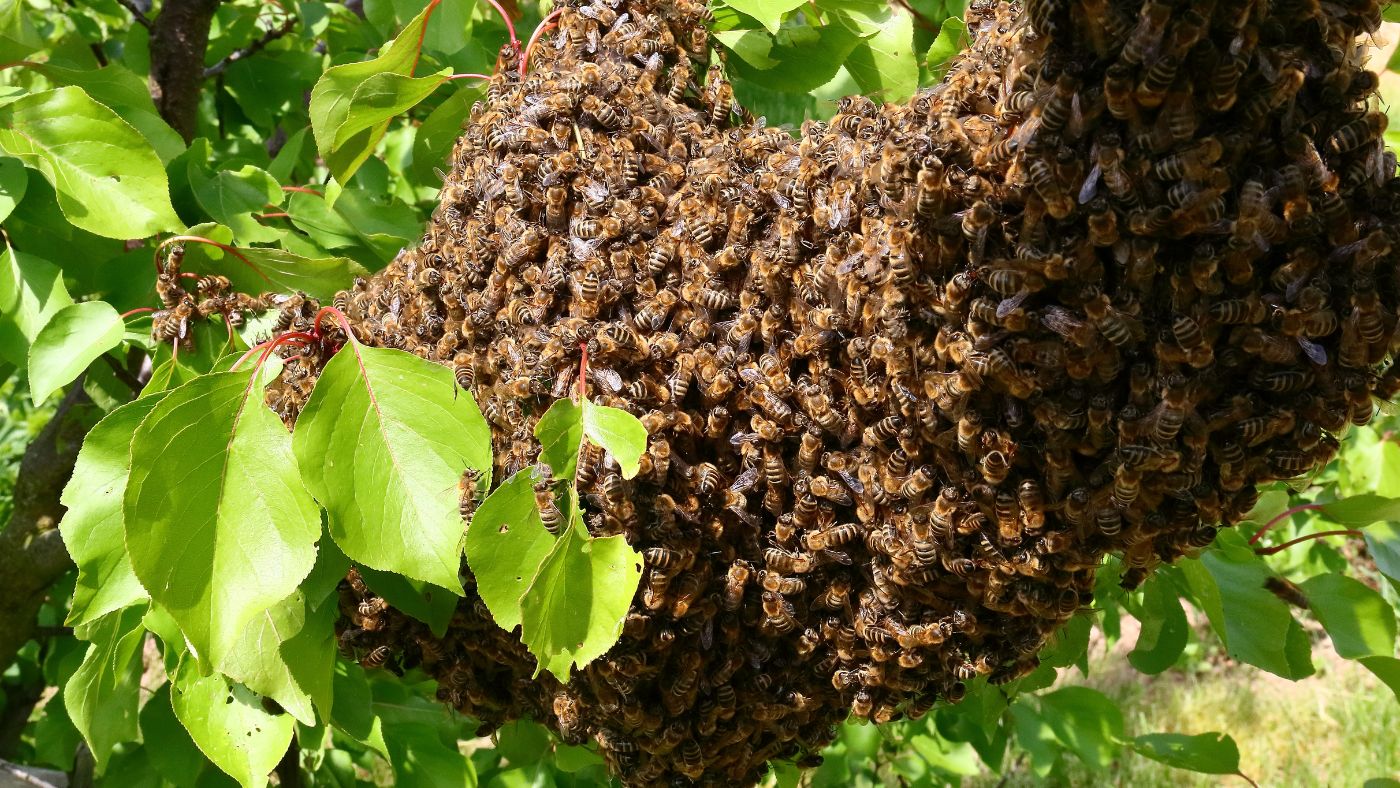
(506, 543)
(1164, 631)
(1387, 669)
(619, 432)
(352, 104)
(108, 178)
(1362, 510)
(102, 694)
(229, 725)
(806, 57)
(14, 180)
(884, 64)
(76, 336)
(1383, 542)
(769, 13)
(1256, 626)
(218, 524)
(440, 130)
(945, 46)
(174, 754)
(573, 610)
(18, 37)
(31, 292)
(127, 94)
(1086, 721)
(92, 526)
(1357, 618)
(1209, 753)
(383, 443)
(258, 663)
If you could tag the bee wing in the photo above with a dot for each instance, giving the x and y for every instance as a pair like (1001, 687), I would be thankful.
(607, 378)
(855, 484)
(1090, 189)
(584, 248)
(745, 481)
(1009, 305)
(1316, 353)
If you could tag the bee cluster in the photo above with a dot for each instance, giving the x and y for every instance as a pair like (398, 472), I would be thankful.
(909, 377)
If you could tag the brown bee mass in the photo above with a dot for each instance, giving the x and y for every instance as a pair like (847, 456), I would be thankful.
(909, 377)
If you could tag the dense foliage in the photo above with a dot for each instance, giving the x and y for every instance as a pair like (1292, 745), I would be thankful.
(193, 641)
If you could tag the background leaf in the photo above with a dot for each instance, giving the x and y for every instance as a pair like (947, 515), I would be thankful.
(108, 178)
(102, 694)
(1210, 753)
(1358, 619)
(73, 338)
(31, 293)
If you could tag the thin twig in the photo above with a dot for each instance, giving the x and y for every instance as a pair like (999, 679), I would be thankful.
(238, 54)
(136, 13)
(1284, 515)
(1304, 538)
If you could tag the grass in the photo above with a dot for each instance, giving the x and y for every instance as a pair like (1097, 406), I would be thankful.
(1336, 728)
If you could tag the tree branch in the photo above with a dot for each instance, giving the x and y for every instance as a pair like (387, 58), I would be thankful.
(268, 37)
(32, 555)
(137, 12)
(179, 39)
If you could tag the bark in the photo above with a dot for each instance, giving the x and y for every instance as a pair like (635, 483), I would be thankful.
(179, 38)
(32, 555)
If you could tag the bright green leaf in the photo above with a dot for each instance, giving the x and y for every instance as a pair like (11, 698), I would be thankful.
(1358, 619)
(231, 197)
(382, 444)
(806, 58)
(352, 104)
(560, 433)
(884, 64)
(76, 336)
(229, 725)
(256, 661)
(1208, 753)
(506, 543)
(619, 432)
(1362, 510)
(174, 754)
(1085, 721)
(108, 179)
(92, 526)
(127, 94)
(769, 13)
(946, 46)
(1383, 543)
(259, 270)
(31, 292)
(102, 694)
(573, 611)
(751, 45)
(218, 525)
(14, 179)
(1164, 631)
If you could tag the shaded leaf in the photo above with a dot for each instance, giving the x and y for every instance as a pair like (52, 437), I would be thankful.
(92, 526)
(946, 46)
(1383, 543)
(751, 45)
(1387, 669)
(74, 337)
(1358, 619)
(426, 602)
(218, 526)
(805, 57)
(108, 179)
(14, 179)
(259, 270)
(1362, 510)
(1086, 721)
(102, 693)
(560, 433)
(506, 544)
(769, 13)
(884, 64)
(1164, 631)
(175, 756)
(1209, 753)
(382, 443)
(31, 292)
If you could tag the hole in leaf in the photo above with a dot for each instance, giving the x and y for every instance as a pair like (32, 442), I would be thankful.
(503, 529)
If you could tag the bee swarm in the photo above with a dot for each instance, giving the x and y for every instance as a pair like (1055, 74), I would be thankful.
(910, 377)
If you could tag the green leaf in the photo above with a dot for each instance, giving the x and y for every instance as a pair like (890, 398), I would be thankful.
(231, 198)
(1164, 631)
(14, 179)
(806, 57)
(769, 13)
(108, 178)
(259, 270)
(127, 94)
(1085, 721)
(382, 443)
(352, 104)
(440, 130)
(573, 610)
(1255, 625)
(884, 64)
(619, 432)
(560, 433)
(1361, 510)
(1208, 753)
(256, 661)
(751, 45)
(218, 526)
(92, 526)
(102, 694)
(506, 544)
(76, 336)
(1035, 736)
(946, 46)
(229, 725)
(1387, 669)
(1383, 543)
(31, 292)
(1358, 619)
(18, 37)
(174, 754)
